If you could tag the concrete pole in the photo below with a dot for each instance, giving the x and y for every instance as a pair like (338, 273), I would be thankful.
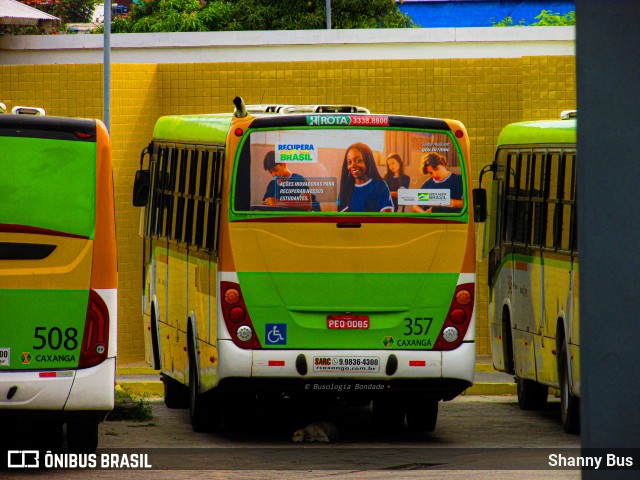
(107, 65)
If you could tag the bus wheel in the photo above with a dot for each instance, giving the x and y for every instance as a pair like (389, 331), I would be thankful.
(569, 404)
(51, 436)
(388, 414)
(531, 395)
(422, 415)
(82, 436)
(176, 395)
(201, 417)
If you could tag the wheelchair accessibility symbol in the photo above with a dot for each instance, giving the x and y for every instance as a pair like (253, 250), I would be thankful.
(276, 333)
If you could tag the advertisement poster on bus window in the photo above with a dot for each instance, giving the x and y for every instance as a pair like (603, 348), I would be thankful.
(351, 171)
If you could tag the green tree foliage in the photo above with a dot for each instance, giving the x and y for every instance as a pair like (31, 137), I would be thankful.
(227, 15)
(549, 19)
(68, 11)
(546, 18)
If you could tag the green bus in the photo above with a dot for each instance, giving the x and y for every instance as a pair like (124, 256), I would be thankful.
(277, 264)
(58, 276)
(529, 215)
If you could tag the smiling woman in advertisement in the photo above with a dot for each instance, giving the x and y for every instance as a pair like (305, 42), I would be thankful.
(361, 186)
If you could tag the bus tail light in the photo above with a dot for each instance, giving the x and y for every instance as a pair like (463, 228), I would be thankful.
(95, 341)
(457, 322)
(236, 317)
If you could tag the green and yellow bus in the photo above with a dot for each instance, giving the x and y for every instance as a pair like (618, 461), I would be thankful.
(58, 276)
(276, 263)
(531, 244)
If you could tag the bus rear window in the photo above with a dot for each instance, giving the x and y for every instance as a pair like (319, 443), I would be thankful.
(349, 171)
(48, 183)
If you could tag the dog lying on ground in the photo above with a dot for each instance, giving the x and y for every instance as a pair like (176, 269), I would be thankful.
(316, 432)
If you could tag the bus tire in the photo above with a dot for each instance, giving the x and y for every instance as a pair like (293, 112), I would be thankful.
(82, 436)
(176, 395)
(507, 342)
(569, 403)
(201, 412)
(422, 416)
(389, 414)
(51, 435)
(531, 395)
(155, 347)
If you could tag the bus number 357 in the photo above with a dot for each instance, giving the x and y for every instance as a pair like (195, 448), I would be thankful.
(417, 326)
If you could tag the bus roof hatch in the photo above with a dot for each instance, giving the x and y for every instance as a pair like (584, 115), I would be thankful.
(285, 109)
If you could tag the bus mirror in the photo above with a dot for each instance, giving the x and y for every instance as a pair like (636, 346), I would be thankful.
(479, 205)
(141, 186)
(486, 217)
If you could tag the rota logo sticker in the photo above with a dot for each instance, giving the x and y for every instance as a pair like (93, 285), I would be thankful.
(317, 120)
(25, 358)
(388, 342)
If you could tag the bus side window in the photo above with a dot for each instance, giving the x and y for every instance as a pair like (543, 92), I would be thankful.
(214, 198)
(518, 211)
(243, 180)
(178, 193)
(159, 185)
(552, 185)
(522, 232)
(567, 202)
(167, 180)
(510, 194)
(200, 190)
(537, 198)
(189, 193)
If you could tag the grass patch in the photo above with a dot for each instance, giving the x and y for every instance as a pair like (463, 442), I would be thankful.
(129, 408)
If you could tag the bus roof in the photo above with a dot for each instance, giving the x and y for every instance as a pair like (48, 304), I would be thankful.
(213, 128)
(539, 132)
(209, 128)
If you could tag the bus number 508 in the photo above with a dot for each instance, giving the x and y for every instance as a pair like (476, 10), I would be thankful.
(55, 338)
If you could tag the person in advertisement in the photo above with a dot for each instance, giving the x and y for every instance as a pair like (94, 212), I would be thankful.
(361, 186)
(280, 171)
(395, 178)
(435, 165)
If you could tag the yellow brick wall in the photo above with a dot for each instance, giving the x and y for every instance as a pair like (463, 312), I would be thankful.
(485, 94)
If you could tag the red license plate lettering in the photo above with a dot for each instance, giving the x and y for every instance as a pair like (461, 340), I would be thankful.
(348, 322)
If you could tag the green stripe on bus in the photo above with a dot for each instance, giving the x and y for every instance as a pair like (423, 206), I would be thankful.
(512, 258)
(48, 184)
(42, 329)
(302, 301)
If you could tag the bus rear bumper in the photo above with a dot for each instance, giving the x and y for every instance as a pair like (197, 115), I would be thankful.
(443, 374)
(60, 393)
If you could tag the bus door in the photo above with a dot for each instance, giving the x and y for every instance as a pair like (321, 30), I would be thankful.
(520, 274)
(544, 344)
(559, 276)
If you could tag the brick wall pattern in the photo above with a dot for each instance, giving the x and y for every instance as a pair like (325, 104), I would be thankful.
(484, 93)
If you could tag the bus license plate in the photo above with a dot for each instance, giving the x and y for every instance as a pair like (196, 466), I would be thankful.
(346, 364)
(348, 322)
